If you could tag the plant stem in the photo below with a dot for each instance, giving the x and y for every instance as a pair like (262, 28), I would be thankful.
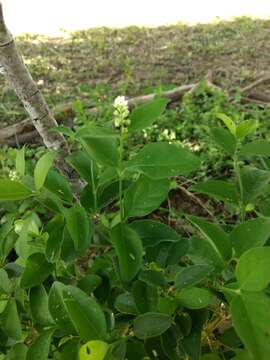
(240, 184)
(94, 190)
(120, 172)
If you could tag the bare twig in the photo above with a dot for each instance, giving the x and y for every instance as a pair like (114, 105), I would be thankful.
(261, 80)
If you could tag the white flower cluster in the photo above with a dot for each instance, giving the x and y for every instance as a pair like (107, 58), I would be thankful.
(13, 175)
(169, 134)
(121, 112)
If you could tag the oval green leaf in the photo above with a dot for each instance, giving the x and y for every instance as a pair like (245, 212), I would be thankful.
(42, 168)
(163, 160)
(150, 325)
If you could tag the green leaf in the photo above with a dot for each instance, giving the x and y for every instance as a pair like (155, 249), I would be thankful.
(78, 226)
(93, 350)
(13, 190)
(150, 325)
(162, 160)
(201, 252)
(257, 147)
(125, 304)
(39, 307)
(192, 275)
(252, 270)
(109, 192)
(81, 162)
(195, 298)
(58, 308)
(40, 347)
(228, 122)
(85, 313)
(87, 198)
(218, 189)
(20, 161)
(215, 235)
(70, 350)
(145, 296)
(245, 128)
(192, 342)
(58, 185)
(251, 319)
(254, 182)
(144, 115)
(129, 250)
(249, 234)
(170, 343)
(64, 130)
(242, 355)
(162, 244)
(153, 233)
(17, 352)
(10, 321)
(89, 283)
(5, 283)
(55, 229)
(36, 270)
(100, 143)
(42, 168)
(117, 350)
(224, 139)
(210, 357)
(152, 277)
(140, 199)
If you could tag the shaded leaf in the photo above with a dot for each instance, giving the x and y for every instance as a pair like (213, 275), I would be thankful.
(39, 307)
(129, 250)
(57, 183)
(145, 296)
(10, 321)
(224, 139)
(41, 346)
(36, 270)
(81, 162)
(100, 143)
(192, 275)
(216, 236)
(85, 313)
(78, 226)
(140, 199)
(150, 325)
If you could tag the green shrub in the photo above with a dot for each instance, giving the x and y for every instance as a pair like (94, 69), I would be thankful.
(87, 274)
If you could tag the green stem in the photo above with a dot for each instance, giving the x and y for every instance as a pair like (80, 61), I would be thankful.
(240, 184)
(120, 173)
(94, 190)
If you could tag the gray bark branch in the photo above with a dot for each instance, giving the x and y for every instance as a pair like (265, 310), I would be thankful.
(14, 69)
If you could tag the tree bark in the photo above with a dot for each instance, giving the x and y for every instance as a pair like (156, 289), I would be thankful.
(14, 69)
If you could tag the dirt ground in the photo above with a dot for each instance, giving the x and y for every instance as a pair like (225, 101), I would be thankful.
(101, 63)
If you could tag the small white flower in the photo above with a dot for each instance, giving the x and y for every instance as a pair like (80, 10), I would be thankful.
(120, 101)
(13, 175)
(121, 112)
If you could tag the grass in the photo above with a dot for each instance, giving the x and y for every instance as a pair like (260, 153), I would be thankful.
(99, 64)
